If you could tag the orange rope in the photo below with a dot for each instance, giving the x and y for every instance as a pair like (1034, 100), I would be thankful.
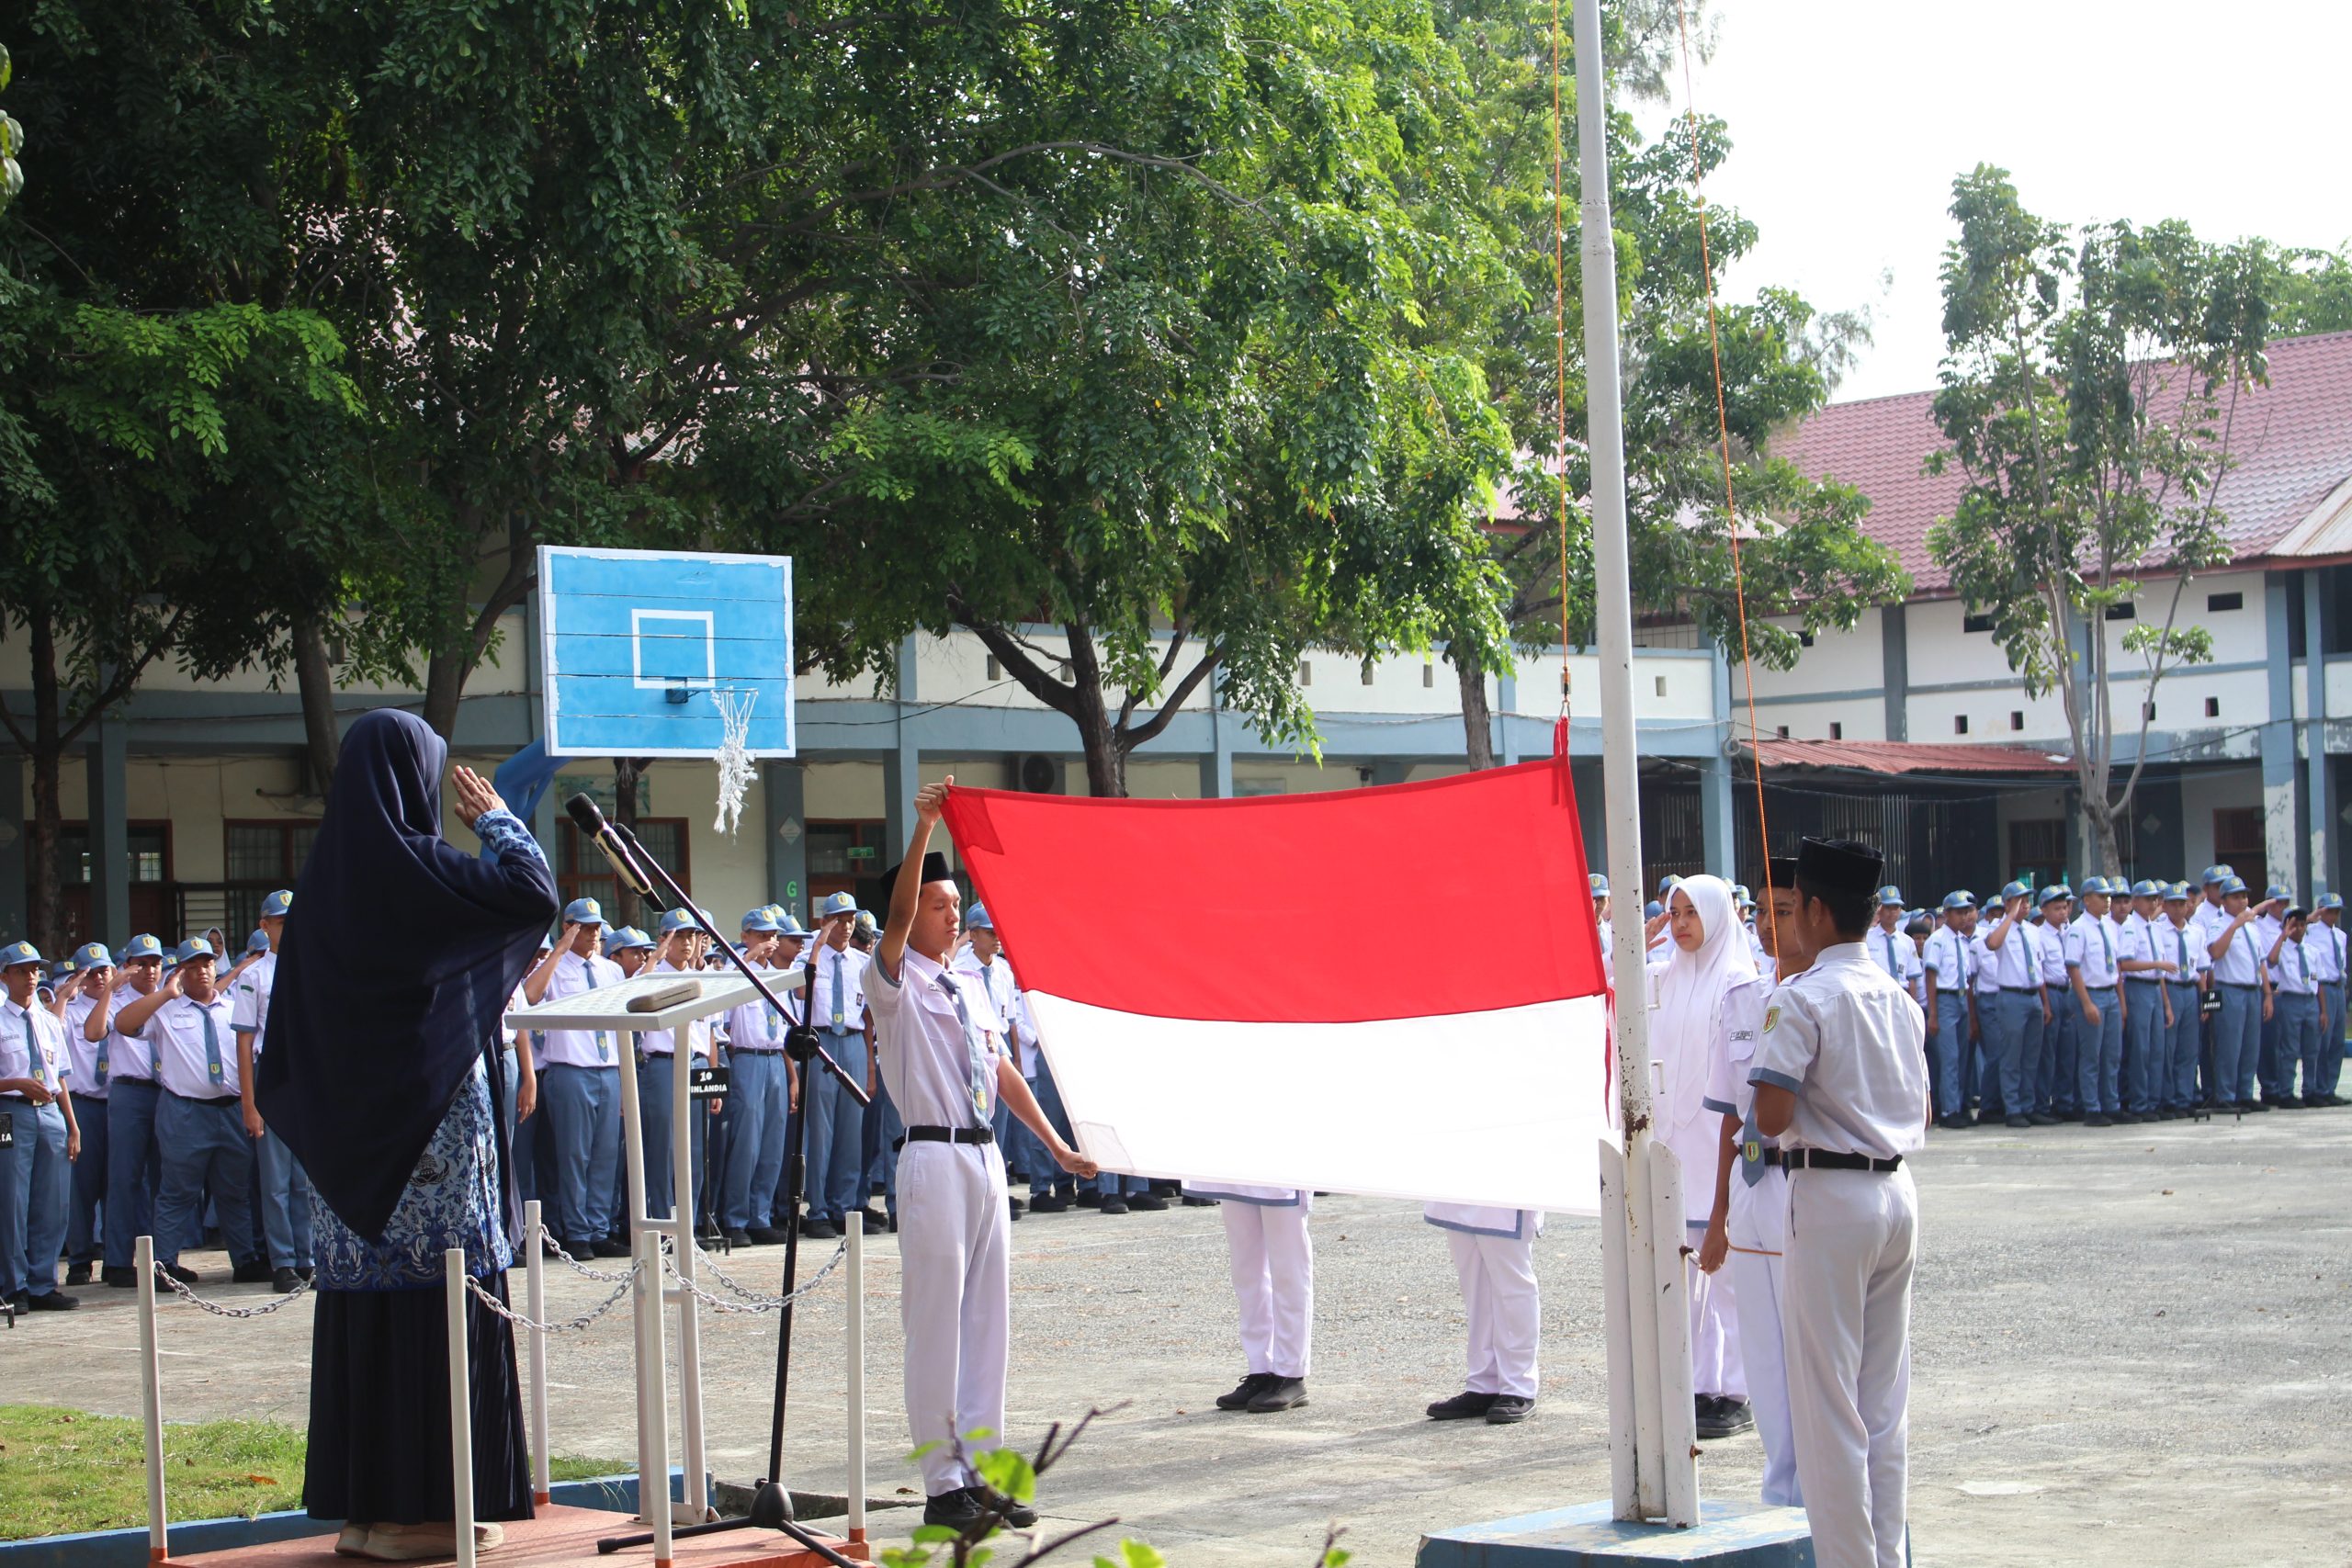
(1560, 352)
(1723, 433)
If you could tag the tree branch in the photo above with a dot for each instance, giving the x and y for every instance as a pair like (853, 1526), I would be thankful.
(1131, 738)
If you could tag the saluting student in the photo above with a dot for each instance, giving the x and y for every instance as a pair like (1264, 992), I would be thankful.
(2147, 1010)
(1749, 1227)
(2276, 1070)
(284, 1190)
(86, 1072)
(36, 1171)
(579, 1089)
(2237, 974)
(133, 1169)
(1951, 1007)
(945, 1071)
(186, 1021)
(2060, 1093)
(2011, 951)
(837, 1005)
(1841, 1079)
(2092, 956)
(2294, 981)
(2185, 990)
(1889, 948)
(2328, 946)
(763, 1089)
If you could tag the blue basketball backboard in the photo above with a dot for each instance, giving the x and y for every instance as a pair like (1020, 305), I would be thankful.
(640, 648)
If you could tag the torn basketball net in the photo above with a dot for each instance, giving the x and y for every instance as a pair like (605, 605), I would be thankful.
(1395, 991)
(735, 766)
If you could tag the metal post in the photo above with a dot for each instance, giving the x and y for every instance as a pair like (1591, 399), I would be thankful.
(535, 1339)
(653, 1484)
(1613, 609)
(683, 1110)
(1678, 1413)
(856, 1352)
(461, 1426)
(151, 1401)
(645, 1292)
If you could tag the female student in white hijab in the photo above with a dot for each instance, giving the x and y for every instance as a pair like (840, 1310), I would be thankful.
(1708, 956)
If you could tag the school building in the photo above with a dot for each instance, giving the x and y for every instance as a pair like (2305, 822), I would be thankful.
(189, 803)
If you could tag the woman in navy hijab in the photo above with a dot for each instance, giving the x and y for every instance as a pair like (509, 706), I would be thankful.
(383, 1075)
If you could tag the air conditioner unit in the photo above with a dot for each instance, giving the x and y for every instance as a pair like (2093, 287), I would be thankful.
(1035, 775)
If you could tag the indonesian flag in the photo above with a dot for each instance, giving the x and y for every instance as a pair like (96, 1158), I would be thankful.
(1395, 991)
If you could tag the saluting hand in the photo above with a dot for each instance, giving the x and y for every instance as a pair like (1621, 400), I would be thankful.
(474, 794)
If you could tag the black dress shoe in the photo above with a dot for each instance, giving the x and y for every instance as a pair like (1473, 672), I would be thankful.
(605, 1247)
(284, 1281)
(254, 1272)
(1283, 1394)
(875, 1219)
(1952, 1124)
(55, 1301)
(1149, 1202)
(818, 1230)
(1089, 1199)
(310, 1272)
(181, 1273)
(957, 1510)
(1721, 1416)
(2257, 1105)
(1115, 1205)
(2042, 1119)
(894, 1225)
(1247, 1389)
(1193, 1202)
(1463, 1406)
(2290, 1102)
(764, 1235)
(1508, 1409)
(1020, 1516)
(2097, 1120)
(1048, 1204)
(122, 1278)
(736, 1238)
(2021, 1122)
(1013, 1208)
(79, 1274)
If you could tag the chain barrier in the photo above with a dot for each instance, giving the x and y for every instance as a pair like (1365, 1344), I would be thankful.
(569, 1325)
(759, 1302)
(606, 1276)
(262, 1309)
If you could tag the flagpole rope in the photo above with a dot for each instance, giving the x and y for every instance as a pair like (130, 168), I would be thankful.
(1560, 357)
(1722, 439)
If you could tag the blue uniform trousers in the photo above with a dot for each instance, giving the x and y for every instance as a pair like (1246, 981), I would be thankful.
(2238, 1043)
(1047, 1176)
(759, 1094)
(285, 1204)
(2099, 1072)
(38, 1198)
(1950, 1047)
(2060, 1054)
(884, 1111)
(2147, 1051)
(2180, 1068)
(2298, 1020)
(657, 1092)
(2020, 1057)
(836, 1128)
(582, 1109)
(2331, 1037)
(1985, 1046)
(84, 1231)
(204, 1150)
(133, 1172)
(2277, 1067)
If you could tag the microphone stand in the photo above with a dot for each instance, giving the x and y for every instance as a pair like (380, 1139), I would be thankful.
(771, 1503)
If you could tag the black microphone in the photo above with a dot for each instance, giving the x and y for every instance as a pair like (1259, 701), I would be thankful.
(593, 827)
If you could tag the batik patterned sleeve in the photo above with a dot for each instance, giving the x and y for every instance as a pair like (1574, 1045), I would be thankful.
(506, 836)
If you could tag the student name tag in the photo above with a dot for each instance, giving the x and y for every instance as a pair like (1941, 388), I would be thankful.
(2210, 1005)
(7, 1129)
(705, 1083)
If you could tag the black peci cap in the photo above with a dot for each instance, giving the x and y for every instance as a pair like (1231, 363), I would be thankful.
(1780, 871)
(1833, 866)
(934, 869)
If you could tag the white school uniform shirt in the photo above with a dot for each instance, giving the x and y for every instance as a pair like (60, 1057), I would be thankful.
(1948, 954)
(580, 1047)
(2264, 929)
(249, 998)
(2137, 942)
(1008, 1005)
(2091, 947)
(2184, 946)
(1844, 1038)
(2295, 974)
(664, 1043)
(852, 967)
(86, 1066)
(754, 1025)
(2241, 964)
(176, 1031)
(126, 1057)
(2016, 963)
(40, 1055)
(2324, 942)
(938, 1054)
(1729, 1092)
(1893, 952)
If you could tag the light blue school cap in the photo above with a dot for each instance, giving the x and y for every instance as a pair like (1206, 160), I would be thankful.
(2278, 890)
(274, 907)
(141, 946)
(257, 943)
(2217, 873)
(1890, 896)
(978, 919)
(627, 936)
(760, 920)
(788, 924)
(583, 912)
(93, 955)
(1599, 885)
(2147, 888)
(18, 952)
(834, 904)
(1667, 884)
(194, 947)
(2233, 884)
(677, 920)
(1653, 909)
(1960, 899)
(2179, 890)
(2016, 890)
(2329, 901)
(2056, 891)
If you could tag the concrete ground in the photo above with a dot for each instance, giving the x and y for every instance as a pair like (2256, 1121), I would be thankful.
(2129, 1346)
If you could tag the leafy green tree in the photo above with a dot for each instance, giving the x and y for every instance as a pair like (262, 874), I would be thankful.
(2312, 294)
(2088, 397)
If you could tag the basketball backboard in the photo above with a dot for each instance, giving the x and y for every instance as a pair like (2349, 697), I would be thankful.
(640, 648)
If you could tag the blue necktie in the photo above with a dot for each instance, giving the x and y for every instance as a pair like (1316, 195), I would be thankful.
(2108, 948)
(976, 1059)
(841, 1018)
(103, 1039)
(212, 1044)
(33, 1052)
(2301, 974)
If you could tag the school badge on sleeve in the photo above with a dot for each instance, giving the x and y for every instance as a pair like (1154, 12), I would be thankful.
(1771, 1018)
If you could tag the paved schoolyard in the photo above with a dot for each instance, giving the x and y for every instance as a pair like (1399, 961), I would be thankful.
(2129, 1346)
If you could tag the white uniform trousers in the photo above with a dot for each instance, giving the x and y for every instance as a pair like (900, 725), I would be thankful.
(954, 1302)
(1715, 1365)
(1497, 1274)
(1273, 1283)
(1853, 1237)
(1758, 1231)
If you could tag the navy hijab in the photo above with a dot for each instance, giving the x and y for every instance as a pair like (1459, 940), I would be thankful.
(398, 958)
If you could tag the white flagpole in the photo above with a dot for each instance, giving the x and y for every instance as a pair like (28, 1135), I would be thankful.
(1613, 613)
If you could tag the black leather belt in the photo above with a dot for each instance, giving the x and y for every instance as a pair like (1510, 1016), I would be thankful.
(1823, 1159)
(947, 1135)
(2238, 984)
(210, 1099)
(2024, 990)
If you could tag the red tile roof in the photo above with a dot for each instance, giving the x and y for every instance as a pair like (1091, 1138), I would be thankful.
(1899, 757)
(2291, 440)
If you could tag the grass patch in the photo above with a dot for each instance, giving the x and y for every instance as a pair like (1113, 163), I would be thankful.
(63, 1471)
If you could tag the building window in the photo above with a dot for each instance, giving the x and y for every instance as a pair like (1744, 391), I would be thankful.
(1959, 723)
(1784, 732)
(2216, 602)
(2212, 708)
(1305, 673)
(1976, 623)
(1658, 684)
(259, 858)
(2037, 848)
(2017, 718)
(996, 669)
(1837, 730)
(2126, 611)
(1428, 675)
(581, 872)
(2238, 843)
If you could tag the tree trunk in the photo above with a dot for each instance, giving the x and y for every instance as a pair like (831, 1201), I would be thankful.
(444, 683)
(1103, 742)
(2100, 817)
(314, 680)
(1477, 718)
(626, 770)
(45, 915)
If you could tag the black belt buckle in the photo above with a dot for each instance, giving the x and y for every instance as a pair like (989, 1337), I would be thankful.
(948, 1135)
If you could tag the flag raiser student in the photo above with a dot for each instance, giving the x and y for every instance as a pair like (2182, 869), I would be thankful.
(945, 1071)
(1841, 1079)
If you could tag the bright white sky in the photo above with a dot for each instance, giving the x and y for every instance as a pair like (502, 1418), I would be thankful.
(1851, 118)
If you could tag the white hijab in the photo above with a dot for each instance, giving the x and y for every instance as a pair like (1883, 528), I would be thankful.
(1686, 1027)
